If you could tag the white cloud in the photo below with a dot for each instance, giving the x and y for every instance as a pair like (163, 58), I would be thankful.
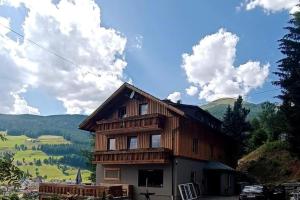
(71, 29)
(192, 90)
(15, 74)
(174, 97)
(272, 5)
(210, 68)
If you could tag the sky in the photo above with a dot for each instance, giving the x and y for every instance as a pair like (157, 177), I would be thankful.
(68, 56)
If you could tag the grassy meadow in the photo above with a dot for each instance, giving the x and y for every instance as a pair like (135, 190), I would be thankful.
(26, 158)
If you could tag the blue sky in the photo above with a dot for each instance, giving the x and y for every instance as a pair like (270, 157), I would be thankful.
(157, 34)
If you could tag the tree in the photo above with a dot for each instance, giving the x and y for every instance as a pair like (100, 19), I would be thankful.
(289, 80)
(235, 124)
(10, 175)
(271, 121)
(257, 137)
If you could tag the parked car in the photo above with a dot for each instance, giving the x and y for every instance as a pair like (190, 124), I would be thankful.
(254, 192)
(277, 193)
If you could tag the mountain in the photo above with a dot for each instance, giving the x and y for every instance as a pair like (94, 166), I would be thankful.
(34, 126)
(218, 107)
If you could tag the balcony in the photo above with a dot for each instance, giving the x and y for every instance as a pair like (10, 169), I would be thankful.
(137, 156)
(150, 122)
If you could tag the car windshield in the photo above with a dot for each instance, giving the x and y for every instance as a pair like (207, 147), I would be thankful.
(253, 189)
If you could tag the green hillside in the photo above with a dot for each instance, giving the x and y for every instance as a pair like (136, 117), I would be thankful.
(34, 161)
(271, 163)
(34, 126)
(47, 146)
(218, 107)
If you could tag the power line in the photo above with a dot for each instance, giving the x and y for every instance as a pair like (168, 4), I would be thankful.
(40, 46)
(73, 63)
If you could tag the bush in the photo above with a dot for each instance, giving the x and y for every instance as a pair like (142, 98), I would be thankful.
(276, 145)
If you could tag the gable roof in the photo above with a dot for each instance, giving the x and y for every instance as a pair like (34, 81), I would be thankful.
(89, 122)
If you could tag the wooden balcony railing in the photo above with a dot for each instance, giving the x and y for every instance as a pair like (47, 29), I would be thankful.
(72, 190)
(137, 156)
(150, 122)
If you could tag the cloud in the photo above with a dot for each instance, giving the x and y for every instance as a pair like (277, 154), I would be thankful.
(192, 90)
(272, 5)
(174, 97)
(15, 74)
(92, 61)
(210, 68)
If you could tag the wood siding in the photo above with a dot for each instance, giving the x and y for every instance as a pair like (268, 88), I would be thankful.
(169, 138)
(211, 144)
(177, 134)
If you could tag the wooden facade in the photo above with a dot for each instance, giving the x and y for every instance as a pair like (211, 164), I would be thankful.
(181, 134)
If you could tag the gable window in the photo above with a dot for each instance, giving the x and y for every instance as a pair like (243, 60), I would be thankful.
(151, 178)
(111, 174)
(195, 145)
(111, 144)
(155, 141)
(122, 112)
(143, 109)
(132, 142)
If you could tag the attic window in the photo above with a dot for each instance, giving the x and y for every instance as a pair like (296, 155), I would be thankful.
(122, 112)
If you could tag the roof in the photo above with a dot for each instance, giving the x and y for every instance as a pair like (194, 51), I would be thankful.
(215, 165)
(189, 111)
(196, 113)
(88, 122)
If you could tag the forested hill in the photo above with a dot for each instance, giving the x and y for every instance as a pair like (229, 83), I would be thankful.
(34, 126)
(217, 108)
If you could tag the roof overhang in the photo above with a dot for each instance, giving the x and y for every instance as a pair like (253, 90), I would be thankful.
(89, 123)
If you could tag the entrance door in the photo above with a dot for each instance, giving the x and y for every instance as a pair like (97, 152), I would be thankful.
(213, 182)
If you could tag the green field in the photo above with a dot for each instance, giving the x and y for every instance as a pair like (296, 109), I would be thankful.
(28, 156)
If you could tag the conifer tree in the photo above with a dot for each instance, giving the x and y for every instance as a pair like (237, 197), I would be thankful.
(289, 80)
(236, 125)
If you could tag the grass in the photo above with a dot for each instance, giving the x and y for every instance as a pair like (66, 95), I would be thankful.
(11, 141)
(271, 163)
(51, 171)
(52, 139)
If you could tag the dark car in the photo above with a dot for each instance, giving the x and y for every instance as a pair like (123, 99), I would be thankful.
(277, 193)
(254, 192)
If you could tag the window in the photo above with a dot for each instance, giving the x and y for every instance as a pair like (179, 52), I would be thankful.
(151, 178)
(155, 141)
(122, 112)
(143, 109)
(111, 144)
(195, 145)
(111, 174)
(132, 142)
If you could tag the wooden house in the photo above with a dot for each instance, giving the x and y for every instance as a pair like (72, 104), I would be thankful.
(147, 142)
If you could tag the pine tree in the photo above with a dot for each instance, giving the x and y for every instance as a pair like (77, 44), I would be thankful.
(289, 80)
(236, 125)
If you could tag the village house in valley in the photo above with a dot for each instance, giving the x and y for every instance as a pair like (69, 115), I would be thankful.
(142, 141)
